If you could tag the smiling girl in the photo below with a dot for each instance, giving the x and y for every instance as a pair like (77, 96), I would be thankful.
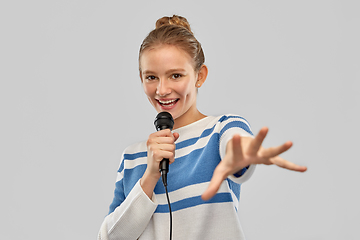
(210, 156)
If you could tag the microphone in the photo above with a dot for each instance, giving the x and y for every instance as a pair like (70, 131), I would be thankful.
(163, 121)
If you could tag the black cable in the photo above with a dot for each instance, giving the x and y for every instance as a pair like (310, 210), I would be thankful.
(168, 200)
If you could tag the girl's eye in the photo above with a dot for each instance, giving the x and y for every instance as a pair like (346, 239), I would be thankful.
(175, 76)
(150, 78)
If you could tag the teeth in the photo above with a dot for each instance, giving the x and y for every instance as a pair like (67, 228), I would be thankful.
(167, 102)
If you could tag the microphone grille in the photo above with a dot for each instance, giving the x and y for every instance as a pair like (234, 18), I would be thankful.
(164, 120)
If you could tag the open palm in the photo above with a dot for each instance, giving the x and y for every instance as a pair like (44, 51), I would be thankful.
(242, 152)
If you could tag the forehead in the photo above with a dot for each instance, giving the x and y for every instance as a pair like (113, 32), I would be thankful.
(165, 56)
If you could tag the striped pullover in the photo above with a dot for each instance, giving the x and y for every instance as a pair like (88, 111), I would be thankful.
(199, 148)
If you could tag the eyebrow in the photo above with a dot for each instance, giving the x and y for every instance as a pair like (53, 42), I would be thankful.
(167, 72)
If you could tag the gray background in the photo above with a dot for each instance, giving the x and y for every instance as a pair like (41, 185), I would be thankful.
(71, 101)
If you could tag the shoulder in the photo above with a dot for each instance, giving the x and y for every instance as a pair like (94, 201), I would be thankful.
(215, 124)
(133, 155)
(135, 148)
(231, 124)
(232, 118)
(233, 121)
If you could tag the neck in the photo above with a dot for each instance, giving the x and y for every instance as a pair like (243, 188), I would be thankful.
(188, 118)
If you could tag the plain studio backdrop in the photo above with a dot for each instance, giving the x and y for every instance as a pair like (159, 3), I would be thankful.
(71, 101)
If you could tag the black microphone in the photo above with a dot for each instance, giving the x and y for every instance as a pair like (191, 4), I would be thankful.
(163, 121)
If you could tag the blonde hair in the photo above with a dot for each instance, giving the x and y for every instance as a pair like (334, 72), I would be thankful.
(174, 31)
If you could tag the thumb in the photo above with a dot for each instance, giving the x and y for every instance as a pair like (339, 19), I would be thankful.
(176, 136)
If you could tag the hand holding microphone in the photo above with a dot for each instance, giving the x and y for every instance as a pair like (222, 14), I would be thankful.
(160, 145)
(163, 121)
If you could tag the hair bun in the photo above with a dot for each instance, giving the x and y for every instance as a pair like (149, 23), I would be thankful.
(174, 20)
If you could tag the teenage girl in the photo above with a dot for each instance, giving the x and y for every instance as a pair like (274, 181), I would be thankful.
(210, 156)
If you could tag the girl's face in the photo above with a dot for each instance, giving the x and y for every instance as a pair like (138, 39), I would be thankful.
(170, 82)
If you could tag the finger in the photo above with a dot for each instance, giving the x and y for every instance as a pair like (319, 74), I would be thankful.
(166, 147)
(288, 165)
(159, 154)
(236, 146)
(163, 133)
(164, 140)
(274, 151)
(214, 185)
(157, 136)
(255, 144)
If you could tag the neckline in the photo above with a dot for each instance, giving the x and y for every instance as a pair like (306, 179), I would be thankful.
(191, 124)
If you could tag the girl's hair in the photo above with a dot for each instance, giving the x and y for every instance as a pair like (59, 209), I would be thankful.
(174, 31)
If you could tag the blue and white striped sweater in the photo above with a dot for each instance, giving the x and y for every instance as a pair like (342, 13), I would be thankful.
(198, 152)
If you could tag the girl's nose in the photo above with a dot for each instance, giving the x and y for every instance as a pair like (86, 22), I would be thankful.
(163, 88)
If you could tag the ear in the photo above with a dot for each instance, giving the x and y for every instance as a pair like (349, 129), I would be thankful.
(202, 75)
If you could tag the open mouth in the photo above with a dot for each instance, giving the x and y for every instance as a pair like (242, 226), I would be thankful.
(167, 103)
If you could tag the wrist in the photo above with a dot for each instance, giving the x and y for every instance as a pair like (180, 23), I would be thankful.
(148, 183)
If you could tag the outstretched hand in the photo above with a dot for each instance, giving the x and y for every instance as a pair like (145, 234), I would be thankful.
(244, 151)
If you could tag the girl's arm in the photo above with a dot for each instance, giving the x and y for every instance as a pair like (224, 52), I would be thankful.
(133, 213)
(130, 218)
(160, 145)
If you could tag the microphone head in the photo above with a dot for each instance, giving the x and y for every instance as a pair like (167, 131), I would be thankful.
(164, 120)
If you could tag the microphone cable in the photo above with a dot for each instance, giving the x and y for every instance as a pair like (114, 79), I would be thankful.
(163, 174)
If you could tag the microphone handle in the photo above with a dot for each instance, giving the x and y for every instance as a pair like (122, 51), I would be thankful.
(164, 169)
(164, 165)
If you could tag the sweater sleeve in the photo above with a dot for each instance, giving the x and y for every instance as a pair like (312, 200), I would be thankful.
(130, 218)
(231, 125)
